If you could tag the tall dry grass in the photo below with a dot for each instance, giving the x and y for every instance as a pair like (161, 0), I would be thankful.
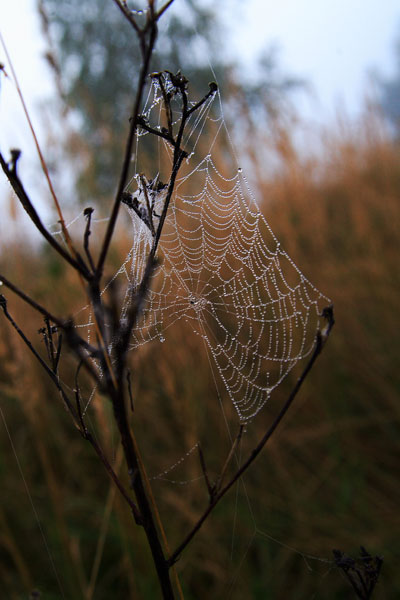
(329, 477)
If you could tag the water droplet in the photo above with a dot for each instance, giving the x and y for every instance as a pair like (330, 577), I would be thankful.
(240, 169)
(162, 338)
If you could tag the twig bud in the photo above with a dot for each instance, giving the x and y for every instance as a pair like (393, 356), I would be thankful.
(15, 155)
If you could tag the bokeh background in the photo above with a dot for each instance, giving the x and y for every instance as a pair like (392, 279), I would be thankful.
(323, 161)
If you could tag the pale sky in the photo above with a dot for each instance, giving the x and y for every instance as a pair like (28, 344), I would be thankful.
(331, 43)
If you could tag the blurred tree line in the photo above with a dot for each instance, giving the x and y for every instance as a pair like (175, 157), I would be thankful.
(389, 91)
(95, 59)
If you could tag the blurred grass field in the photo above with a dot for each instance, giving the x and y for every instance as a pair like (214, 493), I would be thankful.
(328, 479)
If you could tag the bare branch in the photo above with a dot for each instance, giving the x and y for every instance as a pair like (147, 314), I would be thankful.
(22, 196)
(134, 311)
(128, 379)
(163, 133)
(128, 15)
(78, 401)
(213, 88)
(88, 214)
(50, 373)
(163, 9)
(147, 53)
(58, 354)
(210, 488)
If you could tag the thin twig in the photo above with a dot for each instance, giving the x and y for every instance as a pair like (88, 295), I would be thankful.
(128, 379)
(213, 89)
(163, 9)
(58, 353)
(78, 401)
(74, 340)
(128, 15)
(210, 488)
(27, 342)
(147, 53)
(23, 197)
(164, 134)
(88, 214)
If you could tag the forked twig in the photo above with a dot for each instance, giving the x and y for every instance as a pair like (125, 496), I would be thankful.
(127, 14)
(75, 341)
(163, 9)
(362, 573)
(50, 373)
(11, 174)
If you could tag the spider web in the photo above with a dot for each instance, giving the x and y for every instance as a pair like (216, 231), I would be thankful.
(221, 270)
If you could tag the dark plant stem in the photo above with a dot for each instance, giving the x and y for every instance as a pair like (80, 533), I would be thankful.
(147, 51)
(76, 414)
(146, 516)
(11, 174)
(164, 8)
(53, 376)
